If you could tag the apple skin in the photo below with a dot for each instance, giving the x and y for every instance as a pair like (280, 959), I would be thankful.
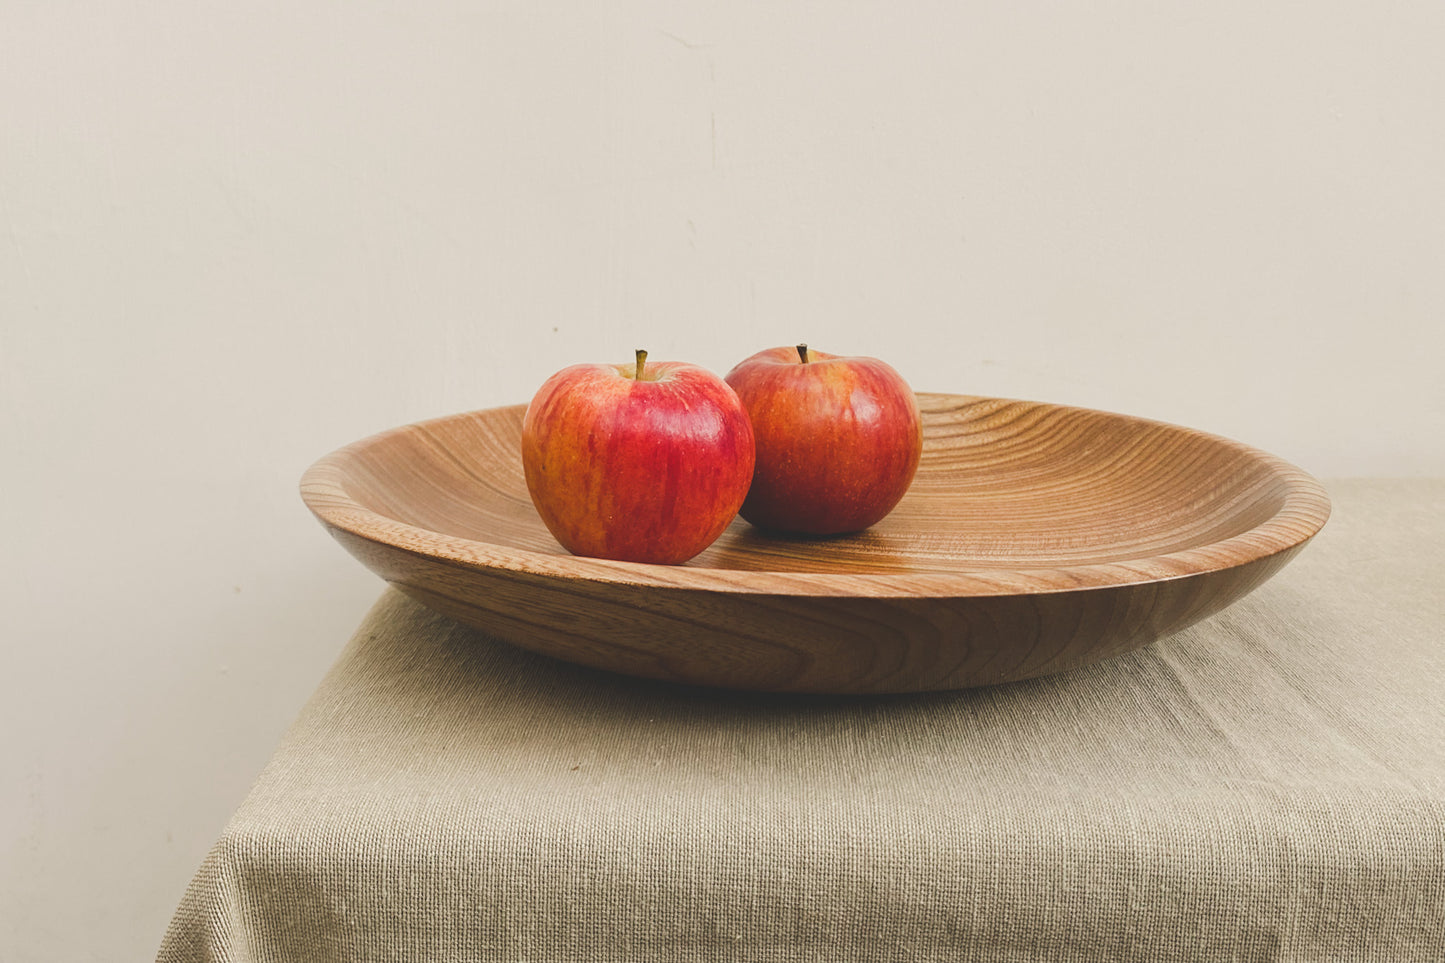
(647, 470)
(838, 440)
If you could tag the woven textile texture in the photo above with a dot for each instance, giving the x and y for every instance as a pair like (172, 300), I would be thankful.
(1268, 785)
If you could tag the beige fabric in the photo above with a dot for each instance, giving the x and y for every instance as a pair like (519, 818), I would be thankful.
(1269, 785)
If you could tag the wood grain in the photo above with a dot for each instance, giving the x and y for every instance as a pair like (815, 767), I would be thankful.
(1035, 538)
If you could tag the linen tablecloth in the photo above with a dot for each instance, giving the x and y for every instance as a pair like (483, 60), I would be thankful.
(1268, 785)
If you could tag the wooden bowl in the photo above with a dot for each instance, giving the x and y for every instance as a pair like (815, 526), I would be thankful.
(1035, 538)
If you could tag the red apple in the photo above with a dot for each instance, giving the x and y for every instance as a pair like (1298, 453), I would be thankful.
(642, 463)
(838, 439)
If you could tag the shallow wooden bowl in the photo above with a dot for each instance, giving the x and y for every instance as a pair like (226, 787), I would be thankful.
(1035, 538)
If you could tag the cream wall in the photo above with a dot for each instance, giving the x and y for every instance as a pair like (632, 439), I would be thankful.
(236, 236)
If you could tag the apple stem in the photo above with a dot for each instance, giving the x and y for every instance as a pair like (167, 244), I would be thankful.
(803, 352)
(641, 363)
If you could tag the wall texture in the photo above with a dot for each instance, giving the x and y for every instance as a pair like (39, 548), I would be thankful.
(236, 236)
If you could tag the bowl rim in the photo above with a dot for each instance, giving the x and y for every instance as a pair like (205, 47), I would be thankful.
(1302, 513)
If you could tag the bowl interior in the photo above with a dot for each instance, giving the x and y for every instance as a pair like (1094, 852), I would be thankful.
(1002, 485)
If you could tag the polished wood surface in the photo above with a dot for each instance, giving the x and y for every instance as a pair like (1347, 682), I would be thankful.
(1035, 538)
